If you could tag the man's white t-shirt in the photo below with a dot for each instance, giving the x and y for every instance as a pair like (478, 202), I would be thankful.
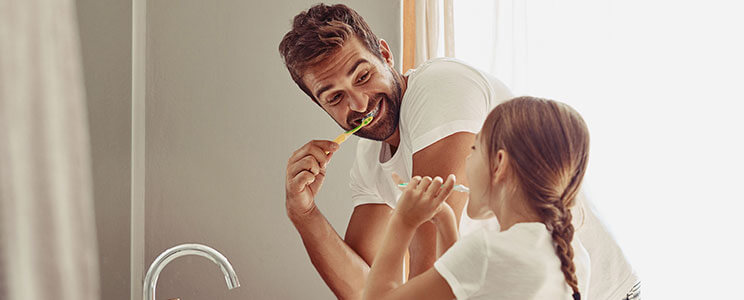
(445, 96)
(519, 263)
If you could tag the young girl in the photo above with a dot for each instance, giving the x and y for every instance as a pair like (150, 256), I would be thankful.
(525, 169)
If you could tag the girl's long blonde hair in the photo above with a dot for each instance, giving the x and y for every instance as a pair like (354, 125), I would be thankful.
(548, 143)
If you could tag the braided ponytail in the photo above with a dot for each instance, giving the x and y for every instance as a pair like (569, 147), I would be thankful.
(549, 145)
(562, 233)
(563, 230)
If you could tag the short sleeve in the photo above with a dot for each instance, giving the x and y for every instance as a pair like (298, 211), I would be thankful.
(464, 265)
(444, 97)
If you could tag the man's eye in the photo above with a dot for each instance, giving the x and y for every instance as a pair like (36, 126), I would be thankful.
(472, 147)
(335, 99)
(364, 77)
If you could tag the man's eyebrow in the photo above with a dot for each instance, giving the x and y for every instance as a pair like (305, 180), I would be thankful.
(323, 89)
(356, 64)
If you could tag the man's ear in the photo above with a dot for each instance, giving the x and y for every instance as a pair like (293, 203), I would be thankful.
(499, 168)
(386, 53)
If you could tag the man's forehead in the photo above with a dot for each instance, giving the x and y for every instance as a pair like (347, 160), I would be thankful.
(334, 65)
(351, 51)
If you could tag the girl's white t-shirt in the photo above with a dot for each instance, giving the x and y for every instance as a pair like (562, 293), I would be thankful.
(446, 96)
(519, 263)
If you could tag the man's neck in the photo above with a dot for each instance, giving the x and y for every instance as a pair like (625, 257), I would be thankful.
(394, 140)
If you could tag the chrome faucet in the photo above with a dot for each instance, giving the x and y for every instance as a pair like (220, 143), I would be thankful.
(151, 279)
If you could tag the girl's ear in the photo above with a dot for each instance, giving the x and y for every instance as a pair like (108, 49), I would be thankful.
(499, 166)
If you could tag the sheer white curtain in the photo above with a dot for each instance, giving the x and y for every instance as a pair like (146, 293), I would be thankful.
(492, 36)
(434, 30)
(659, 84)
(47, 229)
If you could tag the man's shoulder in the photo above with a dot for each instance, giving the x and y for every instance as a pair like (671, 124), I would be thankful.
(444, 68)
(450, 77)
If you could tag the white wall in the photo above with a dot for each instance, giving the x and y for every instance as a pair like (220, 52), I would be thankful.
(222, 118)
(105, 37)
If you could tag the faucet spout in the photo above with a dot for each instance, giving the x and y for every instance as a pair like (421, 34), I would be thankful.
(151, 279)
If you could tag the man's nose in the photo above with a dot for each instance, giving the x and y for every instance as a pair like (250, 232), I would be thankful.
(358, 102)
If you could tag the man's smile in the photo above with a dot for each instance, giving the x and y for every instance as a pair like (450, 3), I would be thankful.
(376, 112)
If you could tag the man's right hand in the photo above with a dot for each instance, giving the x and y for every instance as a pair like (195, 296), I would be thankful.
(305, 174)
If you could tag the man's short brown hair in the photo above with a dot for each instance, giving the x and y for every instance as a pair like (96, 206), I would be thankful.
(318, 33)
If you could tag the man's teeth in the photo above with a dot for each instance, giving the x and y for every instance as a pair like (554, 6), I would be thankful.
(373, 112)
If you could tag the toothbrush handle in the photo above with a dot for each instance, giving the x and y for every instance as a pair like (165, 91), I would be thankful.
(340, 139)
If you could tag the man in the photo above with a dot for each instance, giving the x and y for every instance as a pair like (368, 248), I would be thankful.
(425, 123)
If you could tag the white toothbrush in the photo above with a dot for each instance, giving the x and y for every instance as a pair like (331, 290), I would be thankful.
(459, 187)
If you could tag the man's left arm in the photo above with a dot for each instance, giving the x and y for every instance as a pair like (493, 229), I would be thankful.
(445, 156)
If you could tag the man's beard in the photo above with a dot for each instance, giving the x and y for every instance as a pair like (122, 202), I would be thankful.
(383, 128)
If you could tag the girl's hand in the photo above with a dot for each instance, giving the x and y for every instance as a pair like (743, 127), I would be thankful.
(422, 199)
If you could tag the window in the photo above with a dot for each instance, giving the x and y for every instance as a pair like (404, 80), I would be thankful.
(659, 84)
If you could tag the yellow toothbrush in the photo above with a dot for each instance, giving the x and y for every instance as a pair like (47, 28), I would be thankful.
(342, 137)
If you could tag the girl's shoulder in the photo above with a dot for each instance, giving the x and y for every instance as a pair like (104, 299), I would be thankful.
(523, 234)
(524, 244)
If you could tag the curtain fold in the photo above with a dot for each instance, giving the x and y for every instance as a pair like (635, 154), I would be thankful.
(47, 229)
(493, 36)
(428, 31)
(449, 28)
